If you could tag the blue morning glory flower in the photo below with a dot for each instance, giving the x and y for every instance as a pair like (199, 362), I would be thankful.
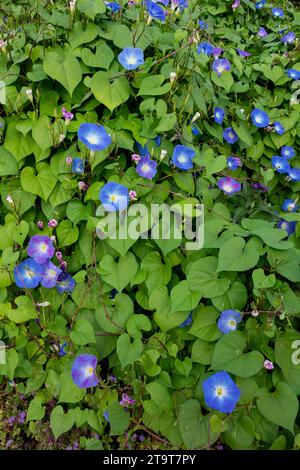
(279, 129)
(84, 371)
(114, 196)
(202, 24)
(229, 185)
(289, 227)
(277, 12)
(62, 349)
(230, 135)
(219, 114)
(259, 118)
(40, 248)
(220, 66)
(262, 33)
(260, 5)
(228, 321)
(183, 157)
(233, 163)
(94, 136)
(288, 38)
(113, 6)
(293, 73)
(221, 392)
(146, 167)
(155, 11)
(131, 58)
(157, 140)
(289, 205)
(205, 48)
(28, 274)
(195, 130)
(50, 274)
(281, 164)
(65, 283)
(287, 151)
(187, 321)
(142, 150)
(243, 53)
(77, 166)
(294, 174)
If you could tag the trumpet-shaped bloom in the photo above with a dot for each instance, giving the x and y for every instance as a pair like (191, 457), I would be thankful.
(229, 185)
(278, 127)
(233, 163)
(220, 66)
(77, 166)
(205, 48)
(220, 392)
(40, 248)
(289, 205)
(50, 274)
(281, 164)
(114, 196)
(219, 115)
(94, 136)
(146, 167)
(65, 283)
(230, 135)
(155, 11)
(260, 5)
(289, 227)
(277, 12)
(131, 58)
(113, 6)
(293, 73)
(288, 38)
(84, 371)
(183, 157)
(243, 53)
(294, 174)
(28, 274)
(229, 320)
(262, 33)
(259, 118)
(287, 151)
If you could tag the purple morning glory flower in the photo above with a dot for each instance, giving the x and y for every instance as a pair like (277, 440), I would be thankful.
(233, 163)
(243, 53)
(219, 114)
(94, 136)
(235, 4)
(262, 33)
(50, 274)
(220, 66)
(126, 400)
(65, 283)
(205, 48)
(40, 248)
(155, 11)
(278, 127)
(260, 186)
(217, 51)
(281, 164)
(260, 5)
(287, 151)
(293, 73)
(62, 349)
(113, 6)
(146, 167)
(202, 24)
(187, 321)
(84, 371)
(294, 174)
(289, 227)
(77, 166)
(277, 12)
(28, 274)
(289, 205)
(21, 417)
(228, 321)
(229, 185)
(131, 57)
(230, 135)
(67, 114)
(259, 118)
(220, 392)
(288, 38)
(183, 157)
(114, 196)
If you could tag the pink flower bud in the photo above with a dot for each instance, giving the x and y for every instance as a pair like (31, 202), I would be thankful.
(268, 365)
(69, 161)
(132, 195)
(52, 223)
(40, 224)
(135, 157)
(82, 185)
(58, 255)
(255, 313)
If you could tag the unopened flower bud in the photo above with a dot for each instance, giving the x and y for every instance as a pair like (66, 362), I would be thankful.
(52, 223)
(196, 116)
(132, 195)
(40, 224)
(163, 154)
(173, 76)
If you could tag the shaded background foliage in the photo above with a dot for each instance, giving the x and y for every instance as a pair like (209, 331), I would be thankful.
(69, 59)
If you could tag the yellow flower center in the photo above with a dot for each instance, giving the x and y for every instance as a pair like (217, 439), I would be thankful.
(232, 323)
(113, 198)
(219, 391)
